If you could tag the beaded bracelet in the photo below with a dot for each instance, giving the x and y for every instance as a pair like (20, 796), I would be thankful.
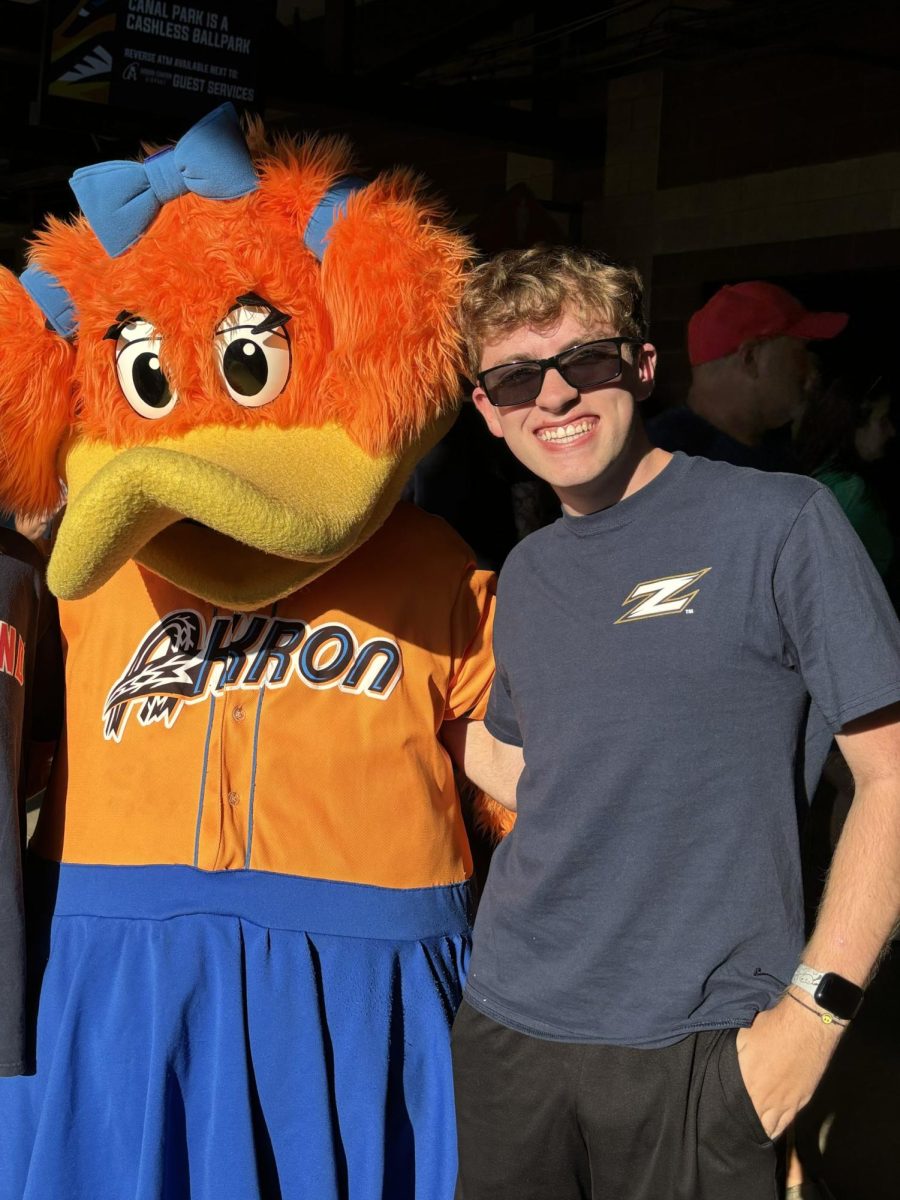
(826, 1018)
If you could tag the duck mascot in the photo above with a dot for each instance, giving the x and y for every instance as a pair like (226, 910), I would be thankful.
(249, 885)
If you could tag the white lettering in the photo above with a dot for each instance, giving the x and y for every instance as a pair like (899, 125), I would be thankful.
(231, 91)
(188, 83)
(217, 40)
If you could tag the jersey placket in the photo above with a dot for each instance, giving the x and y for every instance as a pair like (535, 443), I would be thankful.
(226, 819)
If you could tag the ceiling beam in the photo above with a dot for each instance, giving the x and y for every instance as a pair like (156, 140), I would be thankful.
(326, 100)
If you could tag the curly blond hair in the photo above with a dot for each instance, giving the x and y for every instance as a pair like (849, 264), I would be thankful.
(534, 286)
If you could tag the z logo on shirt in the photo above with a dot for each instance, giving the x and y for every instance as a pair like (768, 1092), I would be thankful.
(660, 597)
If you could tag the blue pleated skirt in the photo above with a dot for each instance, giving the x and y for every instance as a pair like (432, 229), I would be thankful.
(237, 1036)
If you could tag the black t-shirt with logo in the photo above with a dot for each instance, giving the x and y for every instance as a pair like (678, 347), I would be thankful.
(30, 711)
(657, 660)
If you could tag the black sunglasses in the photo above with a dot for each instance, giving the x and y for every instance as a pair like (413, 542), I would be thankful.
(584, 367)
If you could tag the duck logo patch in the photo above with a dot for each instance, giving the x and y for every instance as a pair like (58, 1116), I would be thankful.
(661, 597)
(181, 661)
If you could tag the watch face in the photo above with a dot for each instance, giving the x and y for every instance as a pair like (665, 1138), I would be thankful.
(839, 996)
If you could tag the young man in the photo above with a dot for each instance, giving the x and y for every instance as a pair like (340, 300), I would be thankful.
(630, 1029)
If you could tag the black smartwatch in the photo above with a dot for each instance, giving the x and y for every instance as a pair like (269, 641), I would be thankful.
(833, 993)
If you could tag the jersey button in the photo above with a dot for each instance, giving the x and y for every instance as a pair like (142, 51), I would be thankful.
(238, 712)
(233, 799)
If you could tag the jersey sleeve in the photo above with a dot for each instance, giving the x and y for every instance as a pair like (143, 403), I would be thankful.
(472, 665)
(841, 631)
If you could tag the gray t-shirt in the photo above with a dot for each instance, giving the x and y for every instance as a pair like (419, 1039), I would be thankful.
(656, 660)
(30, 710)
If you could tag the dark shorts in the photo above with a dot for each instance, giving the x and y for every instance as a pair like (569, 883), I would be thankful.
(547, 1120)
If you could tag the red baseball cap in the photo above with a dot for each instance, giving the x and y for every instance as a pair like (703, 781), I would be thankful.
(745, 312)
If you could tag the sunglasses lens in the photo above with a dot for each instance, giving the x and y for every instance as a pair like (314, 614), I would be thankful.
(583, 367)
(519, 383)
(591, 365)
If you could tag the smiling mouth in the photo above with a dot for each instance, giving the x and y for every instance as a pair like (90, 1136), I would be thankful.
(565, 435)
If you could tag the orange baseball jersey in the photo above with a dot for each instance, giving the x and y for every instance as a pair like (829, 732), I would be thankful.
(300, 739)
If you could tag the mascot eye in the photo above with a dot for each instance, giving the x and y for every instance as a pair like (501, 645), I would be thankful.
(140, 375)
(254, 352)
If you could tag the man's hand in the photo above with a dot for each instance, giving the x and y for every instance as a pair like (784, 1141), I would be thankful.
(782, 1057)
(785, 1051)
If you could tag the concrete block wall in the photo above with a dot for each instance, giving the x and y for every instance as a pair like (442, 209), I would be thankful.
(620, 222)
(636, 220)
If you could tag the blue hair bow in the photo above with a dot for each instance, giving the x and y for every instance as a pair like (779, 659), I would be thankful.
(332, 205)
(122, 198)
(51, 298)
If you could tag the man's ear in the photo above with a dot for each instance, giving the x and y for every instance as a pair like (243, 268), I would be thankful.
(36, 402)
(646, 371)
(488, 411)
(748, 354)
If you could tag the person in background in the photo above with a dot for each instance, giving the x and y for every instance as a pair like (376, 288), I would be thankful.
(30, 718)
(36, 529)
(849, 429)
(752, 373)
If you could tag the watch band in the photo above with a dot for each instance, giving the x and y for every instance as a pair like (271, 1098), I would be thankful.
(835, 995)
(807, 978)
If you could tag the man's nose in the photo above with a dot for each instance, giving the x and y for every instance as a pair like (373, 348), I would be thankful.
(556, 394)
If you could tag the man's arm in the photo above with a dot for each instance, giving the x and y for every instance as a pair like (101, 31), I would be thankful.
(493, 766)
(786, 1050)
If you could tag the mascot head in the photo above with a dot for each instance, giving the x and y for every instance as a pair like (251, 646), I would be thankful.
(232, 360)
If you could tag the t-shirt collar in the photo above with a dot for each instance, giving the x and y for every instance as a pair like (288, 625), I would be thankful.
(637, 506)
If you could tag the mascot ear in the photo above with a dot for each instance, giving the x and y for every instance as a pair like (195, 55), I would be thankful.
(391, 276)
(36, 391)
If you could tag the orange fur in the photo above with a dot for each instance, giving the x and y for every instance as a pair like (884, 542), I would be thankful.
(373, 342)
(36, 402)
(492, 818)
(391, 280)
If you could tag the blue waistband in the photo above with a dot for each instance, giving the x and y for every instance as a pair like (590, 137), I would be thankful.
(261, 897)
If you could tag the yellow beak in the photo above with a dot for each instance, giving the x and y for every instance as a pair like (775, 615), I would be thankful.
(240, 517)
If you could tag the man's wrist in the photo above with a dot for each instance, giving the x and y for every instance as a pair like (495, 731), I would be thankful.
(832, 993)
(826, 1019)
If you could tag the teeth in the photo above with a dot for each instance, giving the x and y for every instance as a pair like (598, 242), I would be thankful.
(563, 433)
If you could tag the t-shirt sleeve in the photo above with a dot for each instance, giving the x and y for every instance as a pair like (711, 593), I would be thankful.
(841, 630)
(501, 718)
(472, 665)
